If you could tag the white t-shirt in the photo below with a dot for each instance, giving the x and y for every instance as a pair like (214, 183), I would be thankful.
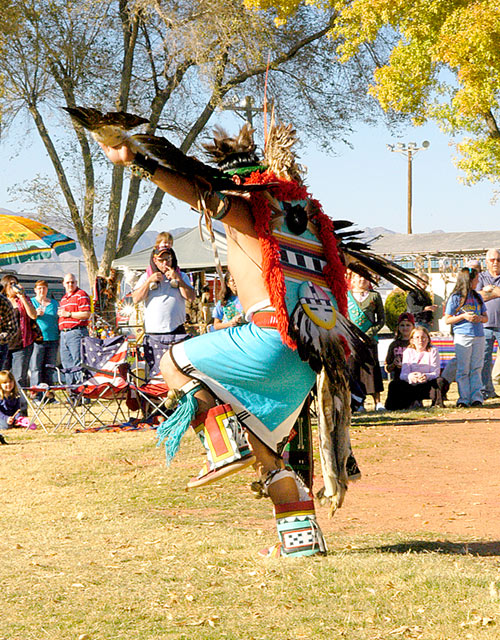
(164, 307)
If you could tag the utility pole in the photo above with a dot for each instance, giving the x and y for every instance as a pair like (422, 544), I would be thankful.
(409, 150)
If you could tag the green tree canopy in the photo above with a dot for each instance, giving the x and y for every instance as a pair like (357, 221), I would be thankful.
(174, 62)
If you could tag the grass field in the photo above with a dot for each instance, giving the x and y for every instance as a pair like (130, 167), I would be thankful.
(100, 541)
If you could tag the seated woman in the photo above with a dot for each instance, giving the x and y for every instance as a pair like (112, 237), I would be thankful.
(419, 374)
(394, 358)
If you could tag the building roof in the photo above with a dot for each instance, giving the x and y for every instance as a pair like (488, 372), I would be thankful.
(436, 243)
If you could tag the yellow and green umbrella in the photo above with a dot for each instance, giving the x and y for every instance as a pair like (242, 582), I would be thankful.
(24, 239)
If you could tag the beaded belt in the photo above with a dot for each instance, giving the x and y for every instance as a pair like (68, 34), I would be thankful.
(265, 319)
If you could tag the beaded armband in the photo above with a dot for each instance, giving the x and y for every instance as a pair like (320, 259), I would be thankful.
(143, 167)
(226, 201)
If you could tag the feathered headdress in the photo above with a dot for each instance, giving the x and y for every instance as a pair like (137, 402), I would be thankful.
(238, 154)
(234, 155)
(280, 158)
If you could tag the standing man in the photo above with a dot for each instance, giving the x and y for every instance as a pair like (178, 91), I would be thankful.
(74, 314)
(164, 292)
(489, 289)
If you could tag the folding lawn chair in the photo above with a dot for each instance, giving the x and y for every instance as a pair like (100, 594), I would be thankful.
(104, 396)
(152, 391)
(44, 411)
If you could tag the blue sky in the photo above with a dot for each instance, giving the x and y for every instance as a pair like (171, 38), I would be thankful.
(366, 184)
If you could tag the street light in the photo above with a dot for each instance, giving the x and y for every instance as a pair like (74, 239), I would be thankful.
(409, 150)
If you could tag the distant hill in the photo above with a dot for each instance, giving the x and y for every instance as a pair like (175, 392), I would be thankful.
(73, 260)
(370, 233)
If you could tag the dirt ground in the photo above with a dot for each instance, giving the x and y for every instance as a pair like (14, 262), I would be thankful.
(437, 473)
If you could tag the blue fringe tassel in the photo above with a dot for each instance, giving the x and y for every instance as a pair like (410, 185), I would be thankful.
(174, 427)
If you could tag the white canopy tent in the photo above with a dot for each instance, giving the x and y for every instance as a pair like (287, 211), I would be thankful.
(193, 252)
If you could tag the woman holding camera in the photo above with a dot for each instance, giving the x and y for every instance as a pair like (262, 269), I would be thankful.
(21, 346)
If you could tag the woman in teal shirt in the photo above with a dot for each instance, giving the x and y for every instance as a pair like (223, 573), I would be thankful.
(228, 311)
(46, 352)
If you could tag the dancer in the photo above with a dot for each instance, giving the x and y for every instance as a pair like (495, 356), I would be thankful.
(254, 371)
(243, 388)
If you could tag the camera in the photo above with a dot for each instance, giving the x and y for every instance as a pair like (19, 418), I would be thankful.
(17, 287)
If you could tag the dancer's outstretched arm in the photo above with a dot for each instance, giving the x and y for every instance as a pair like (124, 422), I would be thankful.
(185, 189)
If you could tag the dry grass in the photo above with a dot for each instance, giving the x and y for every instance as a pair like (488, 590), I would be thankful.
(100, 541)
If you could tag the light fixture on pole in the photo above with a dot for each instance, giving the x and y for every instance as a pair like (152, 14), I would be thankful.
(409, 150)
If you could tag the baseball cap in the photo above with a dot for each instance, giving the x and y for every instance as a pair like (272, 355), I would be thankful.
(406, 316)
(163, 251)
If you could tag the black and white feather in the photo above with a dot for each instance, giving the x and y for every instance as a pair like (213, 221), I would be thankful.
(114, 128)
(322, 347)
(359, 258)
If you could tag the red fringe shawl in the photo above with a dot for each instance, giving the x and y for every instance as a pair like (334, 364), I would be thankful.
(334, 270)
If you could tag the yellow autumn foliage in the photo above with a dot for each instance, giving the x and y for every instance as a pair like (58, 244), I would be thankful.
(445, 65)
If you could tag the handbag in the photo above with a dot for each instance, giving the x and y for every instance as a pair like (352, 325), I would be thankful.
(36, 332)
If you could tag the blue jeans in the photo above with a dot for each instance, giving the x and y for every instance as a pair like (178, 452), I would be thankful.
(70, 350)
(470, 357)
(44, 353)
(4, 355)
(19, 365)
(490, 335)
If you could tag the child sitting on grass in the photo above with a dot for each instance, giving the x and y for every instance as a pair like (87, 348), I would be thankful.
(10, 404)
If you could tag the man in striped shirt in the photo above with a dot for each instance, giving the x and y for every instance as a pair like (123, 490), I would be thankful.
(74, 314)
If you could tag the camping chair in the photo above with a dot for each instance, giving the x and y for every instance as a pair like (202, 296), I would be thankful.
(152, 391)
(104, 395)
(41, 410)
(52, 406)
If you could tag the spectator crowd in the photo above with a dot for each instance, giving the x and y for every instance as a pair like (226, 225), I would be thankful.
(413, 364)
(37, 334)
